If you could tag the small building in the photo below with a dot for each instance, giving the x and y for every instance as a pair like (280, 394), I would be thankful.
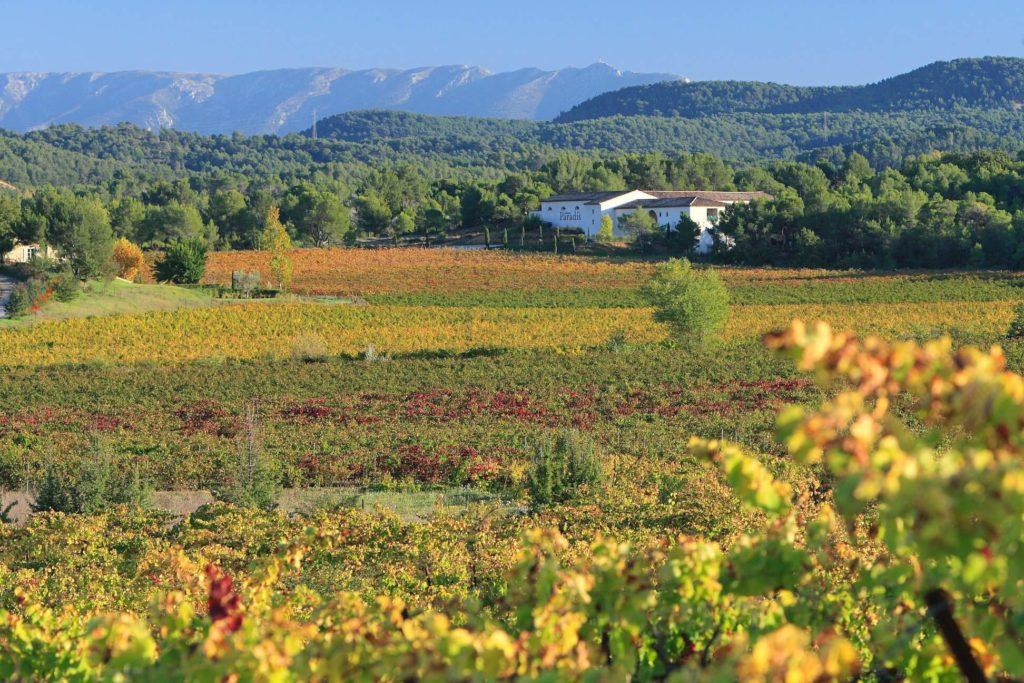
(23, 253)
(584, 210)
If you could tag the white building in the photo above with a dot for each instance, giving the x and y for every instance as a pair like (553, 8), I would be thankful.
(23, 253)
(584, 210)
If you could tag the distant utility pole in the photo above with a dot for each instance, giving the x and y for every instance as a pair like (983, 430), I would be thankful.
(314, 124)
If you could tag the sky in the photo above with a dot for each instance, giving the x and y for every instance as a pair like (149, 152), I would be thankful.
(803, 42)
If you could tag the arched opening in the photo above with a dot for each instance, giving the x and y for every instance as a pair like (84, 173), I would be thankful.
(654, 215)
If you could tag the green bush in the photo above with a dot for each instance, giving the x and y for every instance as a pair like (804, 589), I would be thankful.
(686, 235)
(183, 263)
(606, 233)
(692, 302)
(1016, 330)
(99, 484)
(18, 302)
(562, 468)
(245, 283)
(25, 296)
(65, 286)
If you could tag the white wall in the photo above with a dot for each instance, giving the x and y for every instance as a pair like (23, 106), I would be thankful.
(670, 216)
(22, 253)
(587, 217)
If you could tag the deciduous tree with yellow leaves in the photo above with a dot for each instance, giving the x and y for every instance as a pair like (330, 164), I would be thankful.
(128, 258)
(276, 240)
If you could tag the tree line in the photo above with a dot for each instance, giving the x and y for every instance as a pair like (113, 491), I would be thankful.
(836, 209)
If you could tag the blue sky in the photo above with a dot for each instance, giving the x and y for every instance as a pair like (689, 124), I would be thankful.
(802, 42)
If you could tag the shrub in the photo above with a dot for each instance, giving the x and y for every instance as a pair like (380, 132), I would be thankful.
(252, 481)
(244, 282)
(562, 467)
(606, 233)
(617, 341)
(1016, 330)
(19, 302)
(686, 236)
(640, 225)
(65, 286)
(693, 303)
(128, 259)
(183, 263)
(26, 296)
(100, 483)
(309, 348)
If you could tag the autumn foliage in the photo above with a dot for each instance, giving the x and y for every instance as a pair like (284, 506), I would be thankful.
(128, 258)
(837, 582)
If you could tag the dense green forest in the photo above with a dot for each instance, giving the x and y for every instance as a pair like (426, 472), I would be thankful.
(833, 207)
(985, 83)
(466, 149)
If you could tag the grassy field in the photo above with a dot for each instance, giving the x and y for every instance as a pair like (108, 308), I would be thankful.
(111, 297)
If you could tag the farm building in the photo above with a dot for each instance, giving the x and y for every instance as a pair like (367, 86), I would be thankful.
(584, 210)
(23, 253)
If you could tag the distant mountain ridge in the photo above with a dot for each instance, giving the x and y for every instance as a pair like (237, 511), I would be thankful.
(286, 100)
(986, 83)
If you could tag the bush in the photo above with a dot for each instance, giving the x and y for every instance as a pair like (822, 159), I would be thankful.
(128, 259)
(693, 303)
(65, 286)
(99, 484)
(19, 302)
(686, 235)
(606, 233)
(309, 348)
(183, 263)
(26, 296)
(641, 226)
(245, 283)
(562, 467)
(1016, 330)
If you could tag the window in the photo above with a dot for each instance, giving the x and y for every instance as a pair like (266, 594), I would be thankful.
(550, 208)
(712, 215)
(30, 252)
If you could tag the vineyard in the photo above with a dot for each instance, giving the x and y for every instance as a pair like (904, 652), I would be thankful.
(789, 502)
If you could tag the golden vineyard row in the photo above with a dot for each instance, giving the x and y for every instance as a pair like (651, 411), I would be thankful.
(271, 329)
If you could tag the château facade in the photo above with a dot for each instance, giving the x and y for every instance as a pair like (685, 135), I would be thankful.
(584, 210)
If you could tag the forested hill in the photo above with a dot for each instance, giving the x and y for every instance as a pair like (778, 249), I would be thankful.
(464, 148)
(984, 83)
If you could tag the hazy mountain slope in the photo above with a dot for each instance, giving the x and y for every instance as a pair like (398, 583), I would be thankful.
(286, 100)
(984, 83)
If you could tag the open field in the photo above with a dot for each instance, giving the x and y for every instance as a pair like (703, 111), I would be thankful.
(112, 297)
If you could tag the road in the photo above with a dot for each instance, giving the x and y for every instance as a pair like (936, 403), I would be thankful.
(6, 286)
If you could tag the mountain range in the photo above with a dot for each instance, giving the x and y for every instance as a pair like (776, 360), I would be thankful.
(287, 100)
